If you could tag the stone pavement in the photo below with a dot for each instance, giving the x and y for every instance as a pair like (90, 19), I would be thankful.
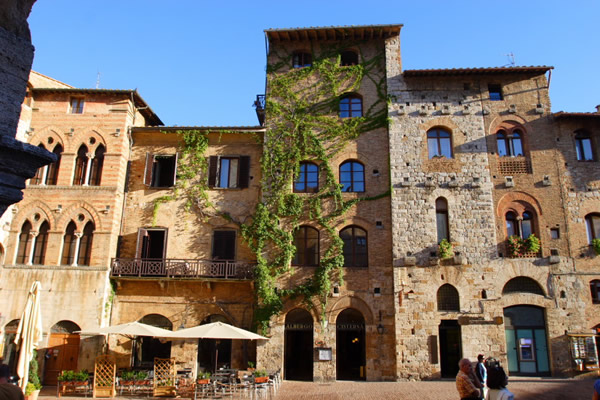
(523, 388)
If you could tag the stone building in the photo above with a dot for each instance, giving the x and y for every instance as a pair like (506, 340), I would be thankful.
(379, 224)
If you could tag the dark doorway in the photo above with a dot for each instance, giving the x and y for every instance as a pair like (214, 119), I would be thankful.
(450, 347)
(146, 348)
(350, 346)
(214, 353)
(526, 343)
(151, 243)
(298, 353)
(10, 355)
(223, 245)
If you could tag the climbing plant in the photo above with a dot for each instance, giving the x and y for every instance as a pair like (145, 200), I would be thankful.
(302, 124)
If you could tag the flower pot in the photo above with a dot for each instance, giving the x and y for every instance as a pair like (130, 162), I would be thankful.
(33, 396)
(203, 381)
(261, 379)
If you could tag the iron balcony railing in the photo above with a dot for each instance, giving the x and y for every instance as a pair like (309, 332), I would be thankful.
(181, 268)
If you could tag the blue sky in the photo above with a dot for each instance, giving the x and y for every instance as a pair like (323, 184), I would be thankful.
(200, 63)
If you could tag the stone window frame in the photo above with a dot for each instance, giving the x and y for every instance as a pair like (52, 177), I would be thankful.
(353, 262)
(307, 181)
(306, 250)
(435, 133)
(595, 290)
(579, 137)
(301, 59)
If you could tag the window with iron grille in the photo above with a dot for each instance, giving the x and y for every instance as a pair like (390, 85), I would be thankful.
(522, 284)
(447, 298)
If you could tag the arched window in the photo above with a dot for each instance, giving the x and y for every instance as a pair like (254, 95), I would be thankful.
(352, 176)
(512, 225)
(447, 298)
(85, 245)
(81, 164)
(510, 143)
(439, 143)
(308, 178)
(24, 246)
(592, 223)
(520, 225)
(69, 245)
(307, 246)
(39, 174)
(301, 59)
(348, 57)
(41, 242)
(522, 284)
(441, 218)
(52, 175)
(96, 166)
(355, 247)
(595, 289)
(583, 146)
(351, 106)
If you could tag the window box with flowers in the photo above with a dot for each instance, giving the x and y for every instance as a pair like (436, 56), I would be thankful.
(523, 248)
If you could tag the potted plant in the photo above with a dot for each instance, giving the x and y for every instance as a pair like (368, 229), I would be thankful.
(81, 377)
(261, 376)
(251, 366)
(532, 244)
(596, 245)
(127, 378)
(515, 246)
(141, 378)
(445, 249)
(203, 378)
(32, 390)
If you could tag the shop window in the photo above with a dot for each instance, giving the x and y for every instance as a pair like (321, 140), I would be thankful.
(447, 298)
(441, 217)
(352, 176)
(510, 143)
(301, 59)
(223, 245)
(495, 92)
(595, 290)
(160, 170)
(351, 106)
(355, 247)
(306, 240)
(522, 284)
(307, 180)
(584, 147)
(592, 223)
(76, 105)
(439, 143)
(348, 57)
(229, 172)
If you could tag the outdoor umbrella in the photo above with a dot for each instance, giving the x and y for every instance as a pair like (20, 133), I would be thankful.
(29, 333)
(131, 329)
(216, 330)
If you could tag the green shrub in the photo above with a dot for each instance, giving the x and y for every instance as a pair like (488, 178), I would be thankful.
(34, 378)
(127, 375)
(445, 249)
(596, 245)
(82, 376)
(141, 375)
(532, 244)
(260, 372)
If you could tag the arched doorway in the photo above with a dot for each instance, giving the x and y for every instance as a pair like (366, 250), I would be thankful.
(62, 352)
(350, 345)
(146, 348)
(298, 345)
(526, 343)
(10, 354)
(214, 353)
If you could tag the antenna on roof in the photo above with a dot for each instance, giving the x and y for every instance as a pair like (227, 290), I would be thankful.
(98, 80)
(511, 60)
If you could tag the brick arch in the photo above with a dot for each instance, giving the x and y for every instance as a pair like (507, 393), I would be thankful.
(43, 135)
(443, 122)
(356, 220)
(503, 122)
(504, 204)
(27, 212)
(96, 133)
(452, 276)
(70, 214)
(349, 302)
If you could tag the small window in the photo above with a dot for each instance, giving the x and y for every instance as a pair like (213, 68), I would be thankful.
(554, 233)
(595, 289)
(592, 223)
(447, 298)
(583, 147)
(348, 57)
(350, 106)
(228, 172)
(352, 176)
(495, 92)
(308, 178)
(301, 59)
(439, 143)
(306, 240)
(355, 247)
(76, 105)
(160, 170)
(441, 217)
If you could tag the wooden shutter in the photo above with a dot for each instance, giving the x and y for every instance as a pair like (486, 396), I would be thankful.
(212, 170)
(142, 233)
(175, 169)
(148, 169)
(244, 172)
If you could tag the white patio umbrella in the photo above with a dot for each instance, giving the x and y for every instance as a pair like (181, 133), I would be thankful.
(131, 329)
(216, 330)
(29, 333)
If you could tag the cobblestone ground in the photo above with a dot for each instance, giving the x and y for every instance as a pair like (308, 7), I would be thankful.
(523, 388)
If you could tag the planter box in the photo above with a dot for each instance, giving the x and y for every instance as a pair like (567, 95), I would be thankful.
(261, 379)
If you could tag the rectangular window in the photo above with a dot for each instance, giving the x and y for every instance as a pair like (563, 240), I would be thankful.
(584, 149)
(160, 170)
(229, 172)
(554, 233)
(495, 92)
(76, 106)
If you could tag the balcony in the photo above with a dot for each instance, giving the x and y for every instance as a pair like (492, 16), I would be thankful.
(260, 105)
(181, 269)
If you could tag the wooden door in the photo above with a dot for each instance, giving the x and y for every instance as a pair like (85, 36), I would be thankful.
(63, 349)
